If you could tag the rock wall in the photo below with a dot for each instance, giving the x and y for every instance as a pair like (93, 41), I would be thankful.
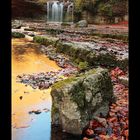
(28, 9)
(79, 99)
(101, 12)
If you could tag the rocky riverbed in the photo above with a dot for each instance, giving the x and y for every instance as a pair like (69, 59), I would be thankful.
(102, 39)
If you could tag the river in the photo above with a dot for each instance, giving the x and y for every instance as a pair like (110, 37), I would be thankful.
(27, 59)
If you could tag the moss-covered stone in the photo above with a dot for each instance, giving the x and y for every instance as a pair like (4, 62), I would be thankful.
(45, 40)
(60, 84)
(83, 55)
(18, 35)
(80, 98)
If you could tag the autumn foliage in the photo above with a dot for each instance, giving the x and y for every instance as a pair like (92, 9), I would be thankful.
(115, 125)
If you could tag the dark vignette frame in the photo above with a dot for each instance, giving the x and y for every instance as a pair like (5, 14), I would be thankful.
(5, 69)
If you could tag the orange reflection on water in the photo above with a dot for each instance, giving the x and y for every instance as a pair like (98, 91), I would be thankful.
(27, 59)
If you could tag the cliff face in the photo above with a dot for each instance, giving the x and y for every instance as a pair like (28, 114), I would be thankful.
(101, 11)
(27, 9)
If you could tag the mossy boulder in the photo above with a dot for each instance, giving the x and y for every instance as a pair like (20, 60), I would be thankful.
(45, 40)
(77, 100)
(18, 35)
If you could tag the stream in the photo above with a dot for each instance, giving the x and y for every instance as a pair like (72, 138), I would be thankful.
(27, 59)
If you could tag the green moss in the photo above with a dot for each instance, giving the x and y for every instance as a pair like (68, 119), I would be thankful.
(83, 65)
(44, 40)
(17, 35)
(61, 84)
(76, 61)
(63, 47)
(78, 95)
(39, 39)
(69, 80)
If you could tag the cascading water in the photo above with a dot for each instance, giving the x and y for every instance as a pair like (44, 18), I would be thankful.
(57, 12)
(61, 11)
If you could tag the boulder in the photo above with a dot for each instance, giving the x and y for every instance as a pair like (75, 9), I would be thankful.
(82, 23)
(77, 100)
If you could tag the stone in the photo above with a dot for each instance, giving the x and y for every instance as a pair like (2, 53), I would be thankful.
(78, 99)
(90, 54)
(35, 111)
(45, 40)
(82, 23)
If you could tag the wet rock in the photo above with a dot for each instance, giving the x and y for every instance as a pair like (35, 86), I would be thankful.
(35, 111)
(21, 97)
(70, 109)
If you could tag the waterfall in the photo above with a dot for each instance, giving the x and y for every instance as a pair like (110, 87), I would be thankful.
(48, 10)
(61, 12)
(56, 11)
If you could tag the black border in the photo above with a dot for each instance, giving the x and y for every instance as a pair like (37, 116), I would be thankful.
(5, 69)
(134, 70)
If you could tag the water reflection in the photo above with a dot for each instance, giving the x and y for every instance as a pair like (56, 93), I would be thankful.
(27, 58)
